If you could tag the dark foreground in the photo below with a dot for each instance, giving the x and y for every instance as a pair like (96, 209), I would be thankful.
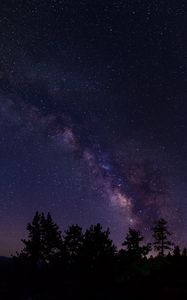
(154, 278)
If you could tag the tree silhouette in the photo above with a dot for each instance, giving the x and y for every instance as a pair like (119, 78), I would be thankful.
(184, 252)
(51, 238)
(97, 248)
(44, 239)
(33, 246)
(176, 251)
(132, 244)
(72, 242)
(160, 235)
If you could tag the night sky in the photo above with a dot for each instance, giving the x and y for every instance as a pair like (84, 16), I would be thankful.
(93, 109)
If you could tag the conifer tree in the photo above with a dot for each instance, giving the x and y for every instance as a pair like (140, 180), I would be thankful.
(51, 238)
(44, 239)
(184, 252)
(73, 242)
(97, 246)
(176, 251)
(133, 245)
(161, 237)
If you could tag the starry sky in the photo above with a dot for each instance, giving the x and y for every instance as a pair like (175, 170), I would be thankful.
(93, 115)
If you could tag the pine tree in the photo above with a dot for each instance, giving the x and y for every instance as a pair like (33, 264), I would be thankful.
(97, 245)
(132, 243)
(184, 252)
(51, 238)
(161, 235)
(44, 239)
(34, 245)
(72, 242)
(176, 251)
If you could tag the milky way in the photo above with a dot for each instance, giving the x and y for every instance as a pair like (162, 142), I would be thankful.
(93, 115)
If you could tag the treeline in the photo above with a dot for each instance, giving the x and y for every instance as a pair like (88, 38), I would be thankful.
(47, 244)
(87, 265)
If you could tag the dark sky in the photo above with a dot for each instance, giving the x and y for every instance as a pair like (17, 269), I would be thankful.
(93, 109)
